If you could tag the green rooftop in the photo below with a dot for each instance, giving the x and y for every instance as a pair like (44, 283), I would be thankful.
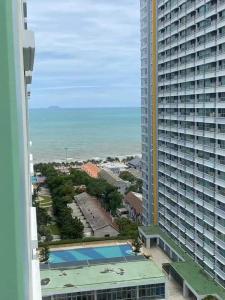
(155, 230)
(189, 270)
(101, 276)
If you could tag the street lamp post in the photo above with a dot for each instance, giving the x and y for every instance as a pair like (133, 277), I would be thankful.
(66, 149)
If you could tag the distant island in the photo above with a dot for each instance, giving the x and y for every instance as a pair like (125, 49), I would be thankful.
(54, 107)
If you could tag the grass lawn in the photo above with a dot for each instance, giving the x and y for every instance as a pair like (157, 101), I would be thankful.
(45, 201)
(54, 229)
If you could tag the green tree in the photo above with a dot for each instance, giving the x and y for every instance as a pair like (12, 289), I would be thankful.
(72, 229)
(44, 254)
(43, 219)
(79, 177)
(127, 228)
(115, 201)
(136, 187)
(62, 192)
(110, 159)
(42, 216)
(127, 176)
(46, 232)
(136, 245)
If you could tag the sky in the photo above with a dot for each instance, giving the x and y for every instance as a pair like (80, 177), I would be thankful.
(87, 53)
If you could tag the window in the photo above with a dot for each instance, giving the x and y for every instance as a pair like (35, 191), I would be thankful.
(156, 291)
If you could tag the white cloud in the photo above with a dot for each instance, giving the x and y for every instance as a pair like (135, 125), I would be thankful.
(85, 43)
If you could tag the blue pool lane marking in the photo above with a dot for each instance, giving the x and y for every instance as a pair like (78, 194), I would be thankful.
(110, 251)
(62, 256)
(53, 258)
(79, 256)
(92, 253)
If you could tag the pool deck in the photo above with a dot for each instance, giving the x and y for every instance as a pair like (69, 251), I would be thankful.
(90, 245)
(175, 292)
(100, 276)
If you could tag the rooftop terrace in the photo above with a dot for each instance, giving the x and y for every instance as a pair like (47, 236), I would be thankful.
(100, 276)
(188, 269)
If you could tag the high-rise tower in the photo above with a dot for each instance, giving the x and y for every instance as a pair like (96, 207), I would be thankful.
(191, 126)
(20, 278)
(149, 110)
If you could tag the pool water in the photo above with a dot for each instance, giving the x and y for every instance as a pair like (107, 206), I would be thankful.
(87, 254)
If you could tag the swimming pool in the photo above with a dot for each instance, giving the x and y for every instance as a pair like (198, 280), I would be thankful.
(88, 254)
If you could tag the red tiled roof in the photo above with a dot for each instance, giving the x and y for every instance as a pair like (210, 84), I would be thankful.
(91, 169)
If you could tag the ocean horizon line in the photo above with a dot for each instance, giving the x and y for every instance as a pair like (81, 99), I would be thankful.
(91, 107)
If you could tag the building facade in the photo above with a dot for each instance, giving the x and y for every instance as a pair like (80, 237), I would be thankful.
(21, 278)
(145, 292)
(134, 205)
(149, 111)
(191, 127)
(114, 180)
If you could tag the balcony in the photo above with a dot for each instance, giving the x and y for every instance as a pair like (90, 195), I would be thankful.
(190, 233)
(210, 11)
(190, 246)
(209, 234)
(207, 28)
(220, 273)
(199, 254)
(28, 54)
(33, 228)
(220, 241)
(221, 38)
(160, 3)
(31, 165)
(198, 240)
(209, 262)
(219, 212)
(220, 257)
(220, 227)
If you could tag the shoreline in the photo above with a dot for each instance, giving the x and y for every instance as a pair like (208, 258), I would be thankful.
(73, 160)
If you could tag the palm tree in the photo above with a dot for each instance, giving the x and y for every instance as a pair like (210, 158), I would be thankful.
(137, 246)
(44, 254)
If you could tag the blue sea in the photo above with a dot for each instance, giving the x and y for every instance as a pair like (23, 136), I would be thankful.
(86, 132)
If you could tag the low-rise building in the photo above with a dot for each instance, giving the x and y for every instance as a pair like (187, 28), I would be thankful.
(99, 221)
(137, 279)
(115, 180)
(133, 203)
(76, 213)
(122, 212)
(135, 163)
(63, 169)
(115, 167)
(135, 172)
(91, 169)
